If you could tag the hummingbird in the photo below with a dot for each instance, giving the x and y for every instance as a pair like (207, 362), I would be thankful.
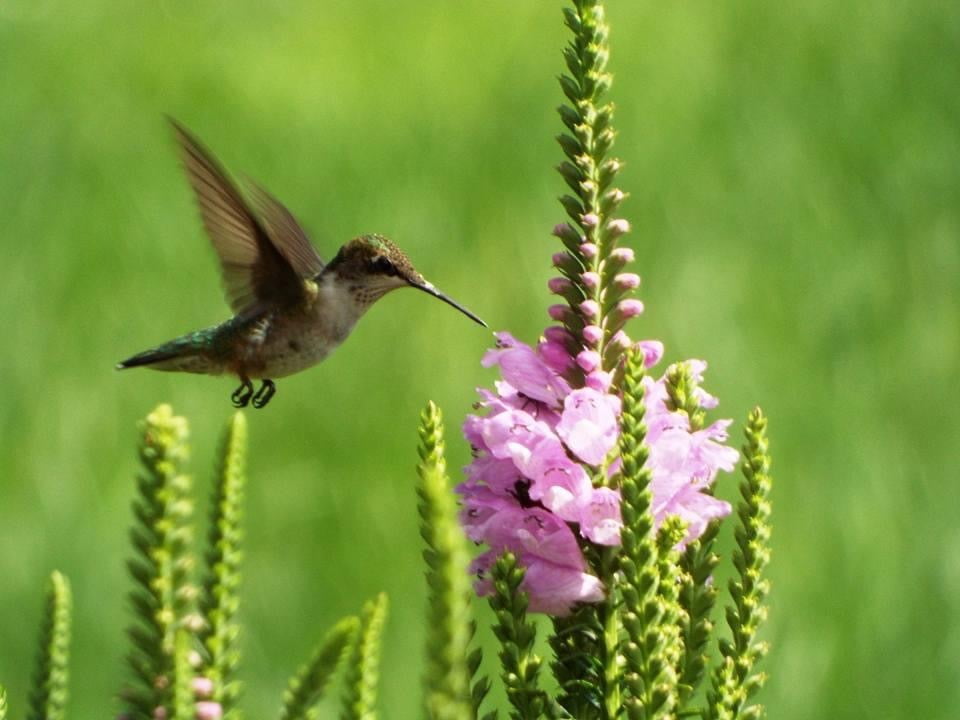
(290, 308)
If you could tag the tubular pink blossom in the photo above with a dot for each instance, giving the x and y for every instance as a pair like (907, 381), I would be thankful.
(652, 352)
(599, 380)
(620, 339)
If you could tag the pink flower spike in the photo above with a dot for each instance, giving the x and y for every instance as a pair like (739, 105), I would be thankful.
(558, 285)
(590, 309)
(202, 687)
(590, 280)
(599, 380)
(652, 352)
(207, 710)
(619, 227)
(589, 250)
(631, 307)
(627, 281)
(590, 220)
(558, 312)
(622, 255)
(592, 334)
(588, 360)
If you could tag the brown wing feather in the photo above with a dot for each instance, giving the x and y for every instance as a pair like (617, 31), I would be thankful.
(255, 273)
(286, 233)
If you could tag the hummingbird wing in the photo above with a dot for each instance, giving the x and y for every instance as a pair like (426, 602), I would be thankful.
(287, 234)
(255, 273)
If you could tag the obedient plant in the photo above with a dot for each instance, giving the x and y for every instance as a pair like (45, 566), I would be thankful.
(590, 492)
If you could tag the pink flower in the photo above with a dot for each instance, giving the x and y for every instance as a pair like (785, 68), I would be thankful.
(558, 312)
(588, 425)
(526, 371)
(588, 360)
(600, 518)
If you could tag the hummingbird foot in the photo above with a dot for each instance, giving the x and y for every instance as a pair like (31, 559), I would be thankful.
(241, 396)
(267, 390)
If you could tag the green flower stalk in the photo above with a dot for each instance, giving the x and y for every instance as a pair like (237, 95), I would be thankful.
(363, 672)
(306, 688)
(163, 598)
(734, 680)
(48, 697)
(649, 673)
(520, 665)
(450, 666)
(3, 703)
(219, 600)
(183, 700)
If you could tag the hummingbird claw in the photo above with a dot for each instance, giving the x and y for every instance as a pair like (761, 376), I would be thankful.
(267, 390)
(241, 396)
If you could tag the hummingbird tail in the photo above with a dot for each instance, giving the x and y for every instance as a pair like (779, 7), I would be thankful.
(181, 355)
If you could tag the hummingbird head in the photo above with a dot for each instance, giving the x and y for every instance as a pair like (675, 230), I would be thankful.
(373, 266)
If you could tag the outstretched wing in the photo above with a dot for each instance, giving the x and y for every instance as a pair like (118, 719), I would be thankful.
(255, 273)
(286, 233)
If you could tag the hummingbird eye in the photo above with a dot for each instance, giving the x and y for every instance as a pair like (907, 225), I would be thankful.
(384, 266)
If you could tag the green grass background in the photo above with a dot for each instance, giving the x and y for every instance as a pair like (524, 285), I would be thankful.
(794, 171)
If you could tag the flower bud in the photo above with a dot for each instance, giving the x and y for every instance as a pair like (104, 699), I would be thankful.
(559, 285)
(589, 308)
(202, 687)
(627, 281)
(557, 334)
(588, 360)
(592, 334)
(630, 307)
(620, 339)
(560, 259)
(590, 280)
(558, 312)
(599, 380)
(618, 227)
(590, 220)
(589, 250)
(622, 255)
(207, 710)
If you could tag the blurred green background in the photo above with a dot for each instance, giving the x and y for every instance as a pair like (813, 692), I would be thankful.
(795, 180)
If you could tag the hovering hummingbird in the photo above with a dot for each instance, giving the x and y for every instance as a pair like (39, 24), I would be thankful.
(291, 309)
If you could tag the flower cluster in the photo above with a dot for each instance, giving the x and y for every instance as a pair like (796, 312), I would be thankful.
(543, 458)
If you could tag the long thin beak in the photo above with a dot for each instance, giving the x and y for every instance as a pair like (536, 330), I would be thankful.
(431, 290)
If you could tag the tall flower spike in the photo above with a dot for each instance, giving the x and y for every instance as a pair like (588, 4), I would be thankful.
(592, 233)
(48, 697)
(734, 680)
(162, 597)
(360, 693)
(449, 626)
(220, 600)
(305, 689)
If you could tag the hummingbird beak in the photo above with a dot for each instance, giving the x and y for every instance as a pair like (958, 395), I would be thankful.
(431, 290)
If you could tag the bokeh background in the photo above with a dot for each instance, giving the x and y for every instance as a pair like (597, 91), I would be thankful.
(795, 179)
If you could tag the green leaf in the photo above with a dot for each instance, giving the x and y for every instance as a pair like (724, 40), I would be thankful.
(220, 599)
(3, 703)
(360, 695)
(48, 696)
(306, 688)
(447, 677)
